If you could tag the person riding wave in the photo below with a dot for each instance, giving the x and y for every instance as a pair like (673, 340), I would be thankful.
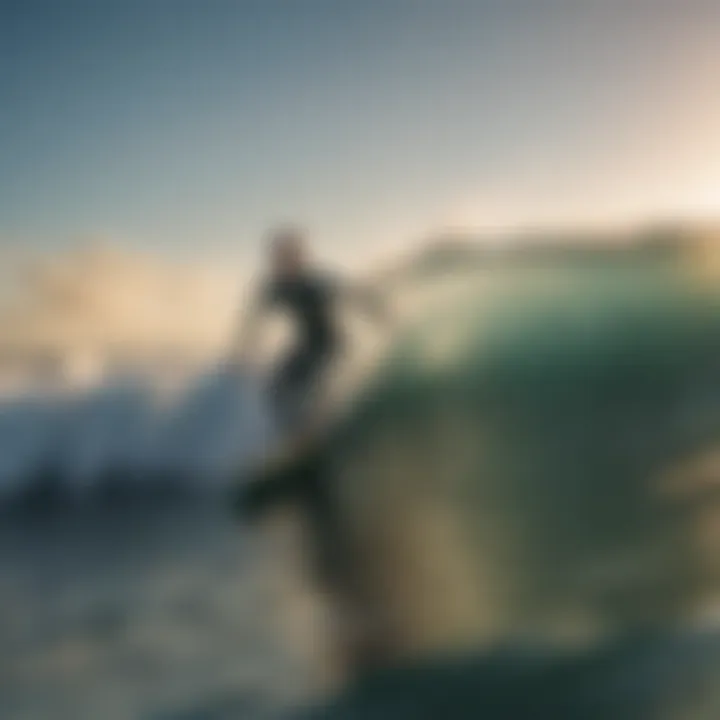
(311, 299)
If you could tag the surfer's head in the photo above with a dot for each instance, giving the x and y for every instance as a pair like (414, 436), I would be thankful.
(288, 251)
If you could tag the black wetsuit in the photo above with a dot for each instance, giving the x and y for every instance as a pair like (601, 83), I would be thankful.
(310, 301)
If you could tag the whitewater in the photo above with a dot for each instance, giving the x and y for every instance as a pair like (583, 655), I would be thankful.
(200, 433)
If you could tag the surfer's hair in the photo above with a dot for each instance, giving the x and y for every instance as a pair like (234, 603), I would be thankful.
(286, 237)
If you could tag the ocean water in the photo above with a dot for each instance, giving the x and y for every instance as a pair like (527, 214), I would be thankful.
(148, 614)
(127, 590)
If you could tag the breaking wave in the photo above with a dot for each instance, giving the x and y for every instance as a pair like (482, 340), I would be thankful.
(126, 437)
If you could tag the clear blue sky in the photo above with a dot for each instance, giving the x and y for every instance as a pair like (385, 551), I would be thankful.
(173, 123)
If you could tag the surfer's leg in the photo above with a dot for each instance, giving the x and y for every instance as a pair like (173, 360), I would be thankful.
(300, 392)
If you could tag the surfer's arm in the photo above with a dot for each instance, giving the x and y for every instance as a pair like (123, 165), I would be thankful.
(370, 302)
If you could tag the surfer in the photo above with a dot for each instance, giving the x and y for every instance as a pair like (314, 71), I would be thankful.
(311, 299)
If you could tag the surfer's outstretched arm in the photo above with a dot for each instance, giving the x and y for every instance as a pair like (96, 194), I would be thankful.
(370, 302)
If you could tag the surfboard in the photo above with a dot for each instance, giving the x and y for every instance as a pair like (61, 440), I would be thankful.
(281, 476)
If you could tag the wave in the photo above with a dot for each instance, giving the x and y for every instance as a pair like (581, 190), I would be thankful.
(126, 438)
